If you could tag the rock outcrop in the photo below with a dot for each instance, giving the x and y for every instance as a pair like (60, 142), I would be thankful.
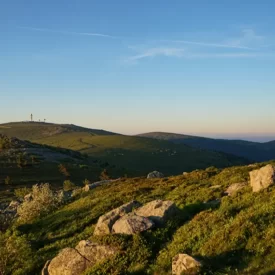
(262, 178)
(106, 222)
(72, 261)
(155, 174)
(157, 211)
(132, 224)
(235, 187)
(185, 264)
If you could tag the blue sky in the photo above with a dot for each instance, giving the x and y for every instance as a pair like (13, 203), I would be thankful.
(199, 67)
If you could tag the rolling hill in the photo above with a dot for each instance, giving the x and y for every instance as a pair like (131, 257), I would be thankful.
(23, 163)
(139, 155)
(254, 151)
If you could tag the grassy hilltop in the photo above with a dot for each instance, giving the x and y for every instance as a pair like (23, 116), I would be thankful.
(137, 154)
(235, 236)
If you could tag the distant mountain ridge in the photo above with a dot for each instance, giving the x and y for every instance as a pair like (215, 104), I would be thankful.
(254, 151)
(139, 155)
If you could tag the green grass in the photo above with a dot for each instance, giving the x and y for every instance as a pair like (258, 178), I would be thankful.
(234, 237)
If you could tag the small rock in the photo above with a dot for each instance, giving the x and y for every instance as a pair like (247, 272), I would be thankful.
(157, 211)
(235, 187)
(262, 178)
(185, 174)
(185, 264)
(106, 222)
(155, 174)
(132, 224)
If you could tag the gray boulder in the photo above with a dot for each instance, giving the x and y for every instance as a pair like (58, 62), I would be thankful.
(131, 224)
(72, 261)
(157, 211)
(106, 222)
(262, 178)
(155, 174)
(95, 253)
(185, 264)
(68, 262)
(235, 187)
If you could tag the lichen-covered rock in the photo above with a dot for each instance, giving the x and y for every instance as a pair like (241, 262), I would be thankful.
(68, 262)
(155, 174)
(72, 261)
(185, 264)
(132, 224)
(235, 187)
(158, 211)
(262, 178)
(95, 253)
(106, 222)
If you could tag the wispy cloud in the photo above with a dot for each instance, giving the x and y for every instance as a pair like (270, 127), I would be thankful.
(67, 32)
(204, 44)
(247, 45)
(247, 38)
(152, 52)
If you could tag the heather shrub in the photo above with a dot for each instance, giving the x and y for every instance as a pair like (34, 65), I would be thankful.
(44, 200)
(15, 252)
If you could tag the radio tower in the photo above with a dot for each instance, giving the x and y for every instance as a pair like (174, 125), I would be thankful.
(31, 117)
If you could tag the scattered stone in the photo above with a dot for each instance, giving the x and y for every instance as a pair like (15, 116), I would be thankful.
(132, 224)
(262, 178)
(157, 211)
(106, 222)
(155, 174)
(185, 264)
(235, 187)
(185, 174)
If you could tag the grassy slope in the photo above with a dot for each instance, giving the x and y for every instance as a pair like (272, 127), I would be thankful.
(251, 150)
(45, 167)
(137, 154)
(235, 237)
